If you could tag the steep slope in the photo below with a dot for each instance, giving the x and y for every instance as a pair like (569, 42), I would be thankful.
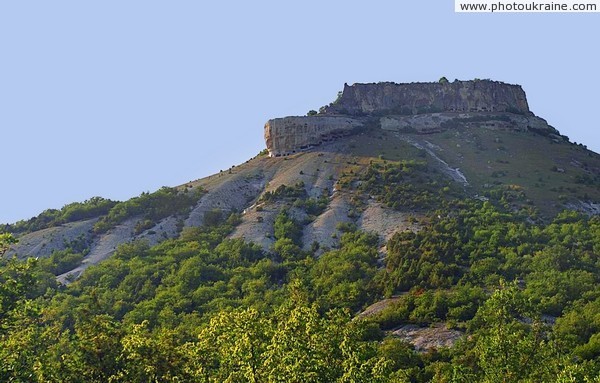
(552, 177)
(382, 177)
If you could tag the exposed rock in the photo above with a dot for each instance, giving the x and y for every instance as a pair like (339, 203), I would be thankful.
(437, 122)
(235, 193)
(422, 338)
(586, 207)
(43, 242)
(386, 221)
(323, 229)
(414, 107)
(377, 307)
(454, 173)
(257, 225)
(427, 338)
(288, 135)
(166, 228)
(419, 98)
(102, 248)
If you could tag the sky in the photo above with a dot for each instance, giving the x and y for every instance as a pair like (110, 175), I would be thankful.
(114, 98)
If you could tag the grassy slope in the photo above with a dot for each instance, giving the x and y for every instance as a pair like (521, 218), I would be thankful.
(544, 170)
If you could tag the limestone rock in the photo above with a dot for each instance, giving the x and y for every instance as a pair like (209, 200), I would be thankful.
(428, 338)
(419, 98)
(420, 107)
(437, 122)
(288, 135)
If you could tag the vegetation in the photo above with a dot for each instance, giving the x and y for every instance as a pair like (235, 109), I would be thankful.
(203, 308)
(153, 207)
(407, 184)
(521, 287)
(94, 207)
(6, 239)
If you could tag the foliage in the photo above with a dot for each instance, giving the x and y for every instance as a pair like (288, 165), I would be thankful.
(6, 239)
(407, 184)
(61, 261)
(288, 235)
(207, 308)
(76, 211)
(343, 278)
(152, 206)
(285, 192)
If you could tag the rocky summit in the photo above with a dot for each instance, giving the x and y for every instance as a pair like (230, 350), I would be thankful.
(414, 107)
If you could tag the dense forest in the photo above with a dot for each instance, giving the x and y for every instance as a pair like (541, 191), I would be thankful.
(203, 308)
(521, 290)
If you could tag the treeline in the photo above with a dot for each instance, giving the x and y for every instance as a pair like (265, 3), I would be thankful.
(154, 206)
(76, 211)
(163, 203)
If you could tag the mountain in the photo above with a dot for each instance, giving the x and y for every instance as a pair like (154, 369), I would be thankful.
(404, 233)
(475, 139)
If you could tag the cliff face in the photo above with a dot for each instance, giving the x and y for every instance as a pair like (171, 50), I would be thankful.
(288, 135)
(419, 98)
(419, 107)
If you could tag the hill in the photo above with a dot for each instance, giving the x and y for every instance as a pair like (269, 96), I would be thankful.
(476, 151)
(370, 241)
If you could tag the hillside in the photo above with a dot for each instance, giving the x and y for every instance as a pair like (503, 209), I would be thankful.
(405, 232)
(531, 170)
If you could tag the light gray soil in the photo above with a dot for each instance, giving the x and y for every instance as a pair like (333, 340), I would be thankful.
(255, 229)
(235, 193)
(377, 307)
(324, 228)
(386, 221)
(42, 243)
(428, 338)
(103, 248)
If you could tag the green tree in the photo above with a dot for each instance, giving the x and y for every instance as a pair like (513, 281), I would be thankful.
(153, 357)
(286, 227)
(6, 239)
(16, 280)
(232, 347)
(512, 345)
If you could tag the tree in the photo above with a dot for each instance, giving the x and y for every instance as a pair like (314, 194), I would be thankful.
(513, 345)
(6, 239)
(508, 349)
(286, 227)
(16, 279)
(153, 357)
(232, 348)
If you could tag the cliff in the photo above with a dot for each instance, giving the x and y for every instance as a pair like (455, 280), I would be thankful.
(419, 98)
(288, 135)
(415, 107)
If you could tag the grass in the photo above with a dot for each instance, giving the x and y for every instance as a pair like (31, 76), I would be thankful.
(544, 170)
(526, 160)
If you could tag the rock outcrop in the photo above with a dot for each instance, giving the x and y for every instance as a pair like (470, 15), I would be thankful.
(288, 135)
(417, 107)
(419, 98)
(437, 122)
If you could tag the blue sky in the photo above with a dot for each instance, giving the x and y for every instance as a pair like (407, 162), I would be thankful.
(113, 98)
